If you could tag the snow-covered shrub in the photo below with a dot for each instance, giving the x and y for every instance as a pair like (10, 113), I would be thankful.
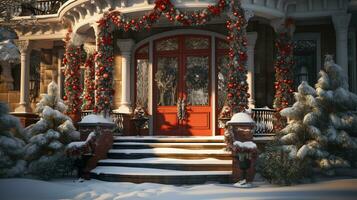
(278, 167)
(49, 137)
(323, 123)
(11, 144)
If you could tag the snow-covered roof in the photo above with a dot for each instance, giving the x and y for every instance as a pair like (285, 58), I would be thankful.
(9, 52)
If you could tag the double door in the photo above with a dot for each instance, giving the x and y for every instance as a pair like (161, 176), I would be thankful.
(182, 92)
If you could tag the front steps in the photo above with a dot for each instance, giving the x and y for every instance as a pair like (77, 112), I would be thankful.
(167, 160)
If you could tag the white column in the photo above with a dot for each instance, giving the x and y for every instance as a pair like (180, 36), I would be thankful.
(60, 67)
(125, 46)
(341, 22)
(24, 106)
(252, 38)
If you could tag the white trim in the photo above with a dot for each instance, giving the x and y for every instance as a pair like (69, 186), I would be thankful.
(151, 89)
(178, 32)
(213, 85)
(317, 38)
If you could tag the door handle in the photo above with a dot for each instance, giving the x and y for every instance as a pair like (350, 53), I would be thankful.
(183, 108)
(179, 109)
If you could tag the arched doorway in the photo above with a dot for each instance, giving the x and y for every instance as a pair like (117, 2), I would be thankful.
(179, 79)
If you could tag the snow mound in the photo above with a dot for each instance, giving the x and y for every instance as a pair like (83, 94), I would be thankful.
(245, 145)
(93, 119)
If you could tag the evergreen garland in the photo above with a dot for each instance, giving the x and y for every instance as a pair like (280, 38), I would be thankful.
(283, 72)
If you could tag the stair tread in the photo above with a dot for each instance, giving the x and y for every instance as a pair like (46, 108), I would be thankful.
(169, 143)
(134, 171)
(169, 138)
(155, 160)
(170, 151)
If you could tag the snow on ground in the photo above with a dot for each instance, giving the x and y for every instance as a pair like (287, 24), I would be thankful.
(26, 189)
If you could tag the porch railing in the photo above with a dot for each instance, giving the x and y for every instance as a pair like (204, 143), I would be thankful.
(262, 116)
(39, 7)
(264, 121)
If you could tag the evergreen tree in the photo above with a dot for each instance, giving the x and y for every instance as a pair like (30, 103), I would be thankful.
(11, 144)
(49, 136)
(322, 125)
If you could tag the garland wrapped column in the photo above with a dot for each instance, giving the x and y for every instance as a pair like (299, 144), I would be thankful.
(283, 69)
(89, 86)
(72, 60)
(237, 88)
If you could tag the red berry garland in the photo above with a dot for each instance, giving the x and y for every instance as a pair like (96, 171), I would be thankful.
(283, 72)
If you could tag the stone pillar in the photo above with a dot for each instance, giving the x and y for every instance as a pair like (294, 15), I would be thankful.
(341, 22)
(24, 106)
(125, 46)
(252, 38)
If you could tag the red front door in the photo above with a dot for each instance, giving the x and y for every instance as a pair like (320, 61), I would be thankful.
(182, 97)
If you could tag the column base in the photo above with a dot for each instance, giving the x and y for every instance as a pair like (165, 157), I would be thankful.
(124, 109)
(251, 103)
(23, 108)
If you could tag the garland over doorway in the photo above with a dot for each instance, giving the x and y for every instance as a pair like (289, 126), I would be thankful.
(237, 88)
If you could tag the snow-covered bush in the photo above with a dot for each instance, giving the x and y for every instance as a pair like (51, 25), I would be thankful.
(11, 144)
(49, 136)
(277, 166)
(322, 123)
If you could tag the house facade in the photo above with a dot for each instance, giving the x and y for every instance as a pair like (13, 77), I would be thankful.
(171, 65)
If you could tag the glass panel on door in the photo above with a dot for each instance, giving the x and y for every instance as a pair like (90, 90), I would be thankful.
(166, 79)
(197, 80)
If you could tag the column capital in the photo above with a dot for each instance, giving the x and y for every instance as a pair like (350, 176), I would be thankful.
(23, 45)
(248, 14)
(280, 25)
(252, 39)
(89, 48)
(341, 22)
(125, 45)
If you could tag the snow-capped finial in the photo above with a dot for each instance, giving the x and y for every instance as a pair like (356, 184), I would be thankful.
(329, 59)
(52, 88)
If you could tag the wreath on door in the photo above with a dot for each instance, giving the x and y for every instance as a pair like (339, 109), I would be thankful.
(196, 77)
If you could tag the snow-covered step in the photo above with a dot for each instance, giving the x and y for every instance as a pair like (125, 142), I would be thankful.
(185, 145)
(169, 153)
(170, 139)
(207, 164)
(164, 176)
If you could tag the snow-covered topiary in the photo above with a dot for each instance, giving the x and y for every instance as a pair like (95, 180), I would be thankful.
(11, 144)
(50, 135)
(322, 122)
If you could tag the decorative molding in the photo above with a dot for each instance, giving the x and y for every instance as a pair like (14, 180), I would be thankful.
(125, 45)
(23, 45)
(341, 22)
